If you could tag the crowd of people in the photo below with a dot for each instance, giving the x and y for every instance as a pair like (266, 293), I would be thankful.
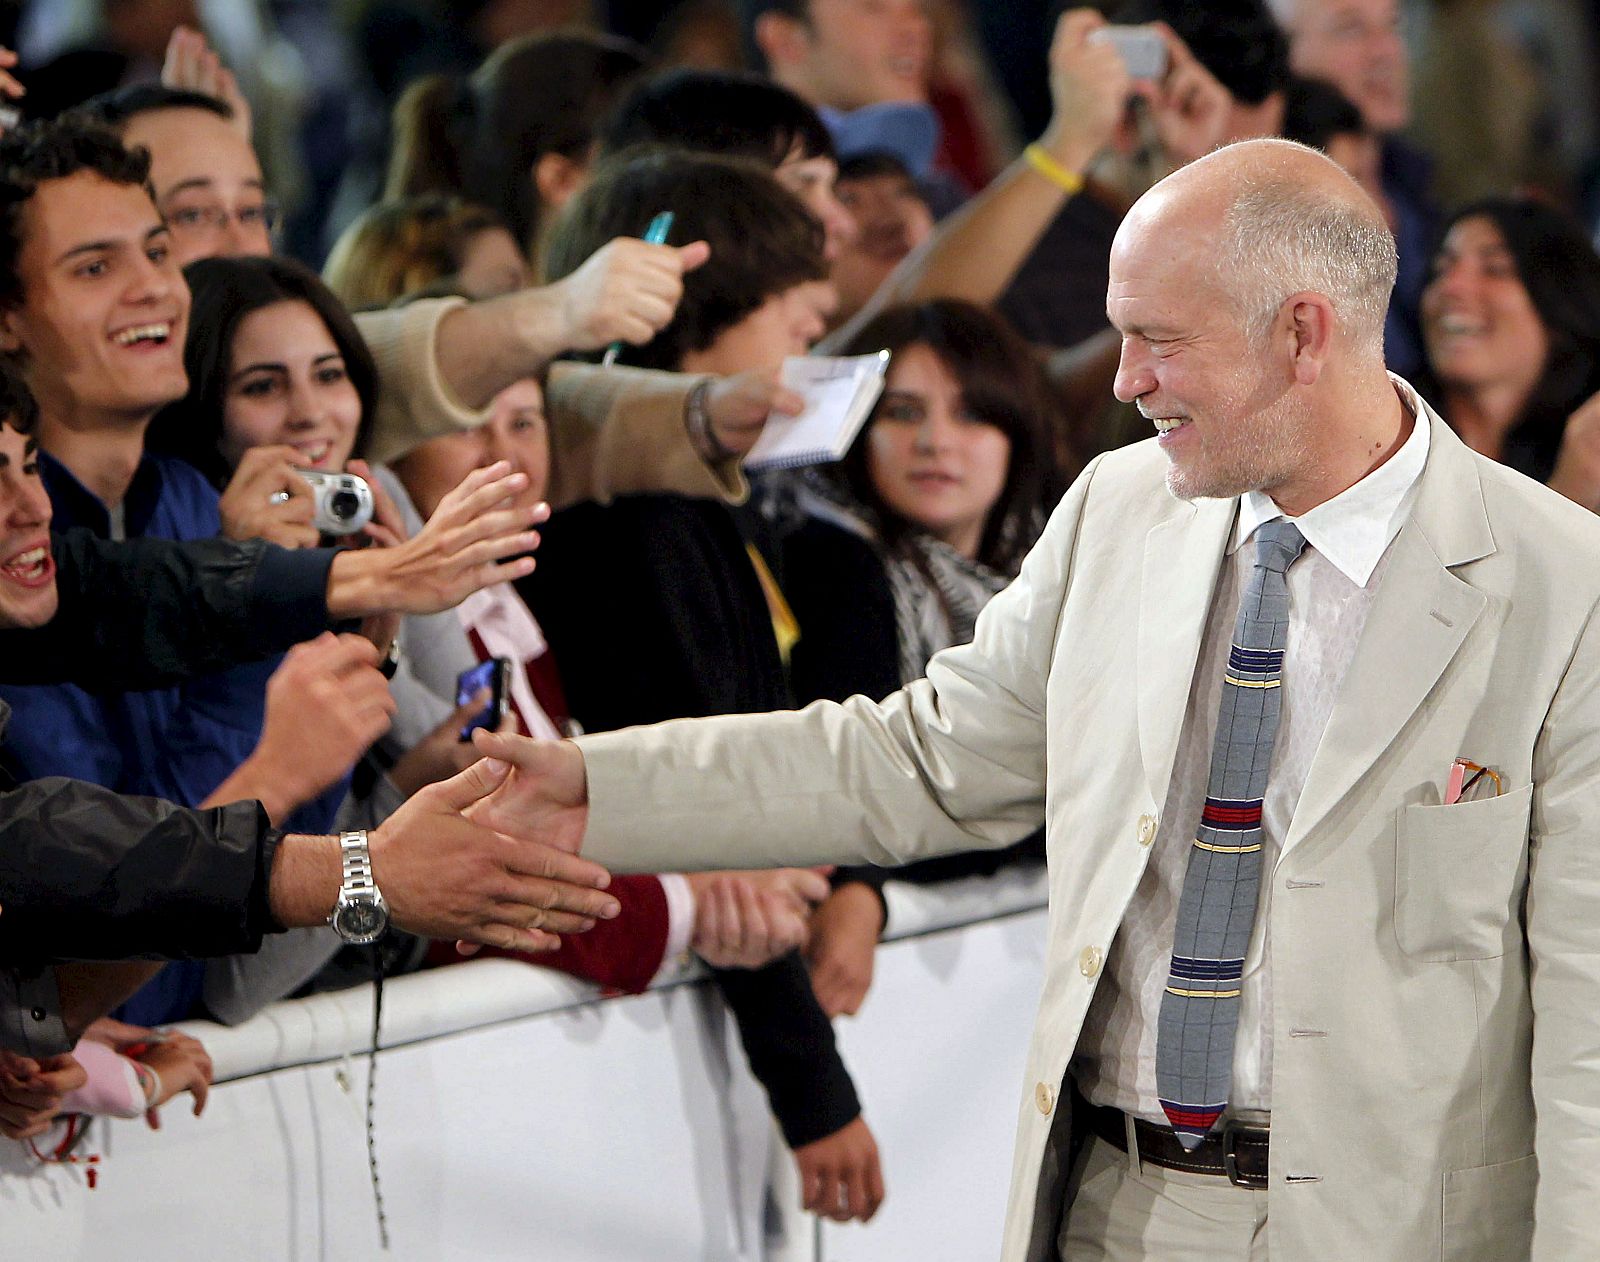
(224, 717)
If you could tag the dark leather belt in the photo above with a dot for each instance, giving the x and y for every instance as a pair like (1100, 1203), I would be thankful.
(1237, 1152)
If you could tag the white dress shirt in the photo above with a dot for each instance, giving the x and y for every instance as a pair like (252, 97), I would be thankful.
(1330, 591)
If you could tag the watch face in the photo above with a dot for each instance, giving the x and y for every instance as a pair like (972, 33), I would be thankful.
(360, 920)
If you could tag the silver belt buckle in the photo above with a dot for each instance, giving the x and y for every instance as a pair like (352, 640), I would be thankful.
(1231, 1127)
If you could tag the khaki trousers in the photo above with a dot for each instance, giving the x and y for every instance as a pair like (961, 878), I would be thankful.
(1125, 1212)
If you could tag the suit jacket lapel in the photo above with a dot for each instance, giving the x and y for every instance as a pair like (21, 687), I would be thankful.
(1420, 615)
(1181, 558)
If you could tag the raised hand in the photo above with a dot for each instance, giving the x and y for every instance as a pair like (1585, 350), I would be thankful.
(446, 871)
(626, 291)
(476, 537)
(737, 409)
(1089, 87)
(267, 499)
(326, 704)
(1190, 107)
(193, 64)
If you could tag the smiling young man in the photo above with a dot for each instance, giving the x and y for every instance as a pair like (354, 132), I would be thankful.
(86, 874)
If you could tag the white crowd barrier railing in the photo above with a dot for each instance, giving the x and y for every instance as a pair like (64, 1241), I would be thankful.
(519, 1115)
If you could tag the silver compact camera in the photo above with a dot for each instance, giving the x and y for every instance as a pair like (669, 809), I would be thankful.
(344, 501)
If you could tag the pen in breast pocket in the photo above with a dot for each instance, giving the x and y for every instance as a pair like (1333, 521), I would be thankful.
(655, 234)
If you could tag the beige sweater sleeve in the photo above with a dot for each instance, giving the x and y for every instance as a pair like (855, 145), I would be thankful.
(620, 431)
(613, 431)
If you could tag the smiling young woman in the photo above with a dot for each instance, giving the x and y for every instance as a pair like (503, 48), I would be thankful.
(1511, 324)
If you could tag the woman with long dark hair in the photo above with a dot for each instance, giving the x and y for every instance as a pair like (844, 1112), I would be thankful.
(928, 516)
(1511, 322)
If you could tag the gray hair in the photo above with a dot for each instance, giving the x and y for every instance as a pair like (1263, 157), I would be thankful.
(1281, 237)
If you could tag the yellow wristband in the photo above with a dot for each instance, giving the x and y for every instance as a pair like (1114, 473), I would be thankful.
(1069, 182)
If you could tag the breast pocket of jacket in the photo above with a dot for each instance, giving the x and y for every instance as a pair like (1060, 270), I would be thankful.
(1459, 874)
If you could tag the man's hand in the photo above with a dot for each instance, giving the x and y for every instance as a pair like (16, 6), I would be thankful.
(1189, 107)
(840, 1175)
(447, 873)
(193, 64)
(476, 537)
(749, 919)
(31, 1091)
(626, 291)
(546, 794)
(1089, 87)
(844, 941)
(267, 499)
(10, 86)
(325, 705)
(737, 408)
(1577, 471)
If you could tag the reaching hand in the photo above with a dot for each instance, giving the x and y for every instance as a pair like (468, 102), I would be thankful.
(1089, 87)
(267, 499)
(446, 872)
(844, 942)
(194, 65)
(476, 537)
(737, 407)
(31, 1091)
(326, 704)
(840, 1175)
(626, 291)
(749, 919)
(545, 796)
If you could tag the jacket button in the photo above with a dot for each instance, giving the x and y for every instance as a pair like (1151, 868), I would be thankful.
(1044, 1098)
(1147, 829)
(1089, 961)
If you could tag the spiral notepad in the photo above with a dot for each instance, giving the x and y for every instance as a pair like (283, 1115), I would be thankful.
(839, 392)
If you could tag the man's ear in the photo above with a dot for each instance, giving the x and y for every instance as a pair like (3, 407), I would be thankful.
(558, 179)
(1308, 320)
(781, 39)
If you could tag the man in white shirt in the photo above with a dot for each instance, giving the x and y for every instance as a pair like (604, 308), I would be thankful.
(1411, 1064)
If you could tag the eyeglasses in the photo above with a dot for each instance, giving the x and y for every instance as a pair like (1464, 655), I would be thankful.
(213, 217)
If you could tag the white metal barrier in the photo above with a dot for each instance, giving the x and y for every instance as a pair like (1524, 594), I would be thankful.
(521, 1117)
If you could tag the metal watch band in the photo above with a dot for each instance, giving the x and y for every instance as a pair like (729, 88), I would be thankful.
(355, 861)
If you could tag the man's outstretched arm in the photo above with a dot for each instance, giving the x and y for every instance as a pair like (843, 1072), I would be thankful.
(952, 762)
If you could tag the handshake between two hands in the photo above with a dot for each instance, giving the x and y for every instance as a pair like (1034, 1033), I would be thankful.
(491, 856)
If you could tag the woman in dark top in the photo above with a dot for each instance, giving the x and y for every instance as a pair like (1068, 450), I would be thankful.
(929, 515)
(1511, 322)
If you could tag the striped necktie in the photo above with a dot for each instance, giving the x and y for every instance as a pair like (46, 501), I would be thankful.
(1217, 908)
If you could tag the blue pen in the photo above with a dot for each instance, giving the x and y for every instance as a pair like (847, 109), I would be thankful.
(655, 234)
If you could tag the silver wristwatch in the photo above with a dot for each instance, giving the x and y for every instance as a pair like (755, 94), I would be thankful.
(360, 916)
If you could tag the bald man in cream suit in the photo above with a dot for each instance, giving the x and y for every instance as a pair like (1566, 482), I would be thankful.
(1416, 1072)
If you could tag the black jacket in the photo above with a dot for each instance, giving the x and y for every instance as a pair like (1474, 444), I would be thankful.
(654, 612)
(86, 873)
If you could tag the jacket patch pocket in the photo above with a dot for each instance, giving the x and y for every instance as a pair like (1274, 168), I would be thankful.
(1488, 1211)
(1459, 877)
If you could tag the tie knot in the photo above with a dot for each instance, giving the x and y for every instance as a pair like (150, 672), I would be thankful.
(1278, 544)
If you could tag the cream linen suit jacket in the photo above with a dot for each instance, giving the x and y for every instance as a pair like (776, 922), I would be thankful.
(1435, 969)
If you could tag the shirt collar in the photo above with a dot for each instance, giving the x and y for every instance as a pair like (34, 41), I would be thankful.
(1355, 527)
(74, 504)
